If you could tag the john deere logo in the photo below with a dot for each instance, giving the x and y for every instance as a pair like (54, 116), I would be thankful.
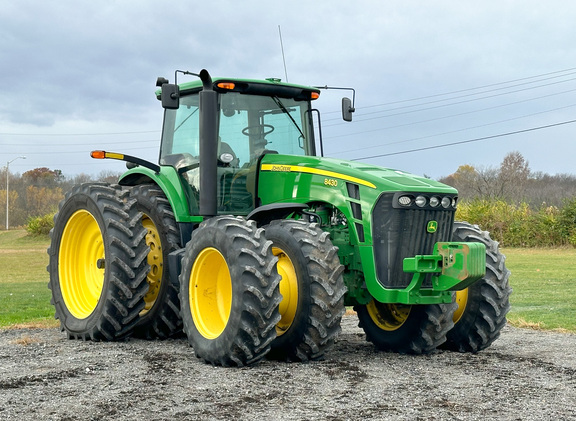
(432, 226)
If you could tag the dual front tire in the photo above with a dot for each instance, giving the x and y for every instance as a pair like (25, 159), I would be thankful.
(245, 294)
(229, 292)
(471, 323)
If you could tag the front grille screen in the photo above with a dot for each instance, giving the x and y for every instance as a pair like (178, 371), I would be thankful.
(402, 232)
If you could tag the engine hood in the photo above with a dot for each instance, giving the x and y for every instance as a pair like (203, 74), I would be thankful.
(379, 178)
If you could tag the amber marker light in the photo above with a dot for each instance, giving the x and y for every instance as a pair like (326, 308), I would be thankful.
(314, 95)
(98, 154)
(226, 85)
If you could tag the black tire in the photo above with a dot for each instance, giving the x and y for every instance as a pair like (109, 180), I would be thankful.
(97, 263)
(312, 288)
(406, 329)
(161, 315)
(229, 292)
(483, 306)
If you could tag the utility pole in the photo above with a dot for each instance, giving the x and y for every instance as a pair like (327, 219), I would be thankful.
(8, 190)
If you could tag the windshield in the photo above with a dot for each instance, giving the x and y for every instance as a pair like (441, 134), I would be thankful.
(249, 126)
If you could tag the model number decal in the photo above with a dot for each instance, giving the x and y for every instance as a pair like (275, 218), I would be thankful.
(330, 182)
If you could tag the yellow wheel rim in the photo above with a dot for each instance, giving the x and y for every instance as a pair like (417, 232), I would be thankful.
(81, 264)
(388, 317)
(288, 289)
(461, 300)
(156, 262)
(210, 293)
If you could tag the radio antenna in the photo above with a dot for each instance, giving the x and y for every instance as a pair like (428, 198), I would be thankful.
(283, 57)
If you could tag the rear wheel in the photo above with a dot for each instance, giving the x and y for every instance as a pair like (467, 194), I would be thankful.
(407, 329)
(312, 289)
(161, 315)
(97, 263)
(482, 307)
(229, 292)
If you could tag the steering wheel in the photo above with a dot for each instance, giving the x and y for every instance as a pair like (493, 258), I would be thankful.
(246, 130)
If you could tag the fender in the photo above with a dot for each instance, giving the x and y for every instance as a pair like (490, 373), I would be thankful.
(263, 215)
(169, 181)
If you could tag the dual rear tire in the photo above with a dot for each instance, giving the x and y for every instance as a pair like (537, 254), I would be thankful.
(98, 263)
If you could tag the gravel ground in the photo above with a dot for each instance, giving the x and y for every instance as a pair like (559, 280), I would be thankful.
(525, 375)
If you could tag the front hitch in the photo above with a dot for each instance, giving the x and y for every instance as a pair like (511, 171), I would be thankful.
(454, 267)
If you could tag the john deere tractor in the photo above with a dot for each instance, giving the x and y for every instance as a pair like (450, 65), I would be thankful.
(251, 244)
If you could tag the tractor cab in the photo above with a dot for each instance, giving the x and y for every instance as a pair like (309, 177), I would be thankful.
(252, 119)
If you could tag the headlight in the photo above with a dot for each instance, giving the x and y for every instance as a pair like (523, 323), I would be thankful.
(454, 202)
(446, 201)
(420, 201)
(405, 200)
(434, 201)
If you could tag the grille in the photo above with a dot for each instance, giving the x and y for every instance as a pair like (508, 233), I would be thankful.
(401, 232)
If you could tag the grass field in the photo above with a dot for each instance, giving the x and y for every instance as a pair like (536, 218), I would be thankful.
(24, 293)
(544, 283)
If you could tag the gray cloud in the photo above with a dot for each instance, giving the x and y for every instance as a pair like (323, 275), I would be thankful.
(87, 69)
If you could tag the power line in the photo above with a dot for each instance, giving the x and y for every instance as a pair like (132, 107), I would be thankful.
(473, 89)
(468, 89)
(448, 104)
(466, 141)
(78, 134)
(412, 123)
(450, 132)
(109, 142)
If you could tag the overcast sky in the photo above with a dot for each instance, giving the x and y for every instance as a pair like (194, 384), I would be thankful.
(489, 77)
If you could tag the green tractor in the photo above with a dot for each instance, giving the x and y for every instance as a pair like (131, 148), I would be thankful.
(252, 245)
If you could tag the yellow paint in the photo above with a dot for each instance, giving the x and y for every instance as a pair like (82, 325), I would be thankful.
(315, 171)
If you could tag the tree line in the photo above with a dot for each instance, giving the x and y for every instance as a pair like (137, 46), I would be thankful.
(37, 193)
(519, 207)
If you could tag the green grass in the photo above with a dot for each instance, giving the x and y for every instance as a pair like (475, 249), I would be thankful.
(544, 283)
(24, 295)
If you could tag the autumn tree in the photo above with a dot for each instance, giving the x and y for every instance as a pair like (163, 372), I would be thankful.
(507, 182)
(43, 177)
(42, 200)
(513, 177)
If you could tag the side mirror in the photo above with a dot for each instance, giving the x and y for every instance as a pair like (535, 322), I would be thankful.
(170, 94)
(347, 109)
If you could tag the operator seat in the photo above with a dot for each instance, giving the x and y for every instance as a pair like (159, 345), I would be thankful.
(225, 149)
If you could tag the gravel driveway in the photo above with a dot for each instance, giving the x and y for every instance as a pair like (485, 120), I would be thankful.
(525, 375)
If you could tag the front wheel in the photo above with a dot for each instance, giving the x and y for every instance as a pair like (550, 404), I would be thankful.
(483, 306)
(229, 292)
(406, 329)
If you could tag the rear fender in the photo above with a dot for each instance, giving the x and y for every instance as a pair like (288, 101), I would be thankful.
(169, 181)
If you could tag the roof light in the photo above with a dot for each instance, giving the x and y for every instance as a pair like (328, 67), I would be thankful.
(226, 85)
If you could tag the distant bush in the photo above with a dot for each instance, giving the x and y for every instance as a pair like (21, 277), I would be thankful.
(40, 225)
(520, 225)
